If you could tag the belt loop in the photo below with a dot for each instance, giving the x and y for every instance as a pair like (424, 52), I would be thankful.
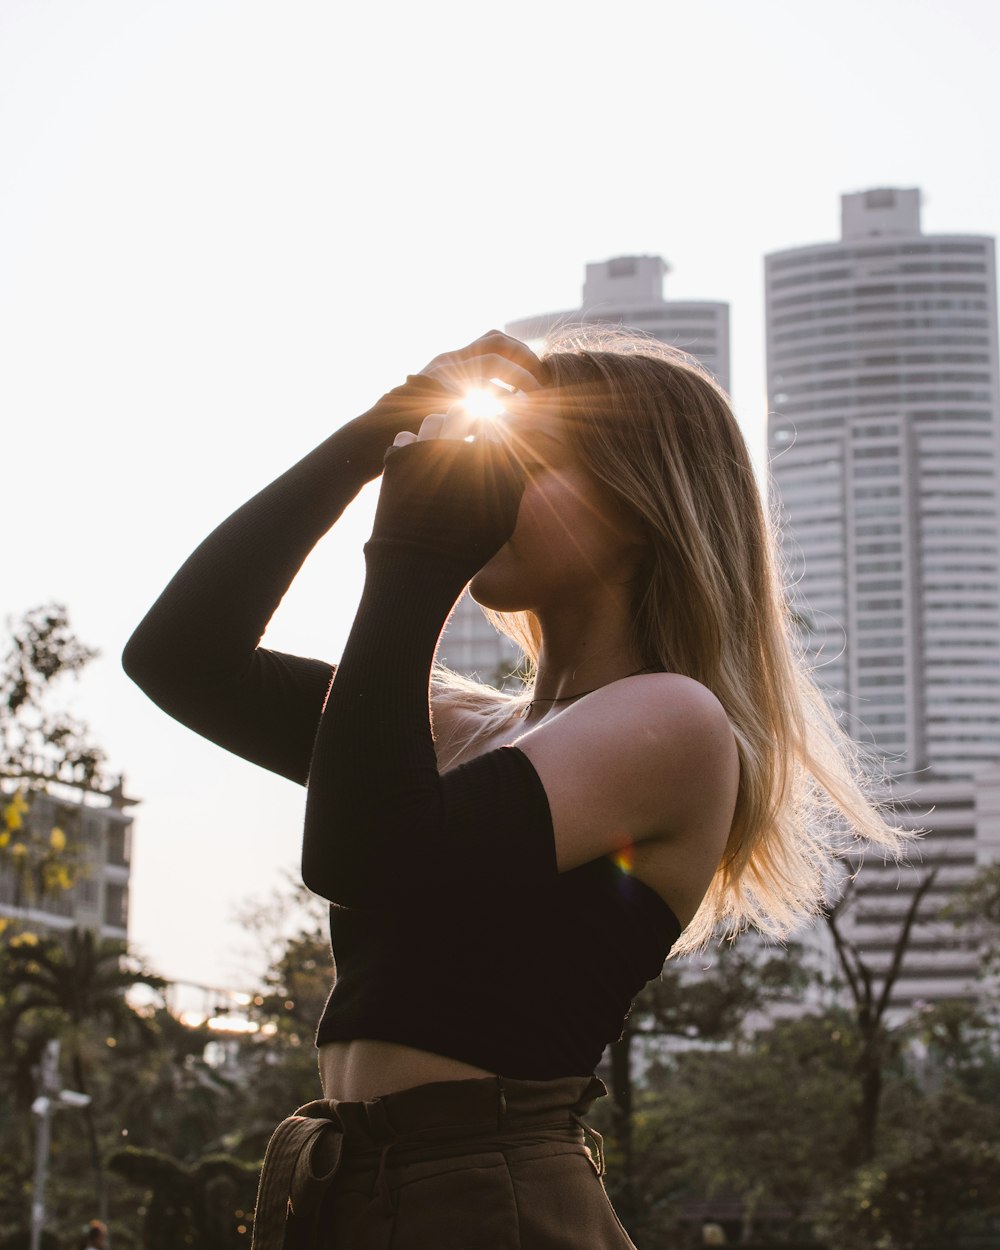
(599, 1166)
(501, 1102)
(382, 1181)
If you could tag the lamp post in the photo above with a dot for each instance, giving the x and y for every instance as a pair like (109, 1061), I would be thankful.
(50, 1098)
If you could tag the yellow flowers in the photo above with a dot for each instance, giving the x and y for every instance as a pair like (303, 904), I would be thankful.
(15, 811)
(24, 939)
(56, 877)
(44, 859)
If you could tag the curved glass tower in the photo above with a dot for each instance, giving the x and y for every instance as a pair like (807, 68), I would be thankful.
(884, 438)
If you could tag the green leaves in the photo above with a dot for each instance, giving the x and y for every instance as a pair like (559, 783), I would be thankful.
(34, 737)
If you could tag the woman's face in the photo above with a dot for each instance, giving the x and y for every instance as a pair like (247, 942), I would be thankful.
(572, 540)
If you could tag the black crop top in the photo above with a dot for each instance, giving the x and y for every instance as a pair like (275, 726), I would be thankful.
(532, 986)
(452, 929)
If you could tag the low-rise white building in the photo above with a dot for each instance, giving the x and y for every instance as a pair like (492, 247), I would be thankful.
(98, 831)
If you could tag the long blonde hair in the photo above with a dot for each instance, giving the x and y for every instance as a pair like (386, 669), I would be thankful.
(649, 423)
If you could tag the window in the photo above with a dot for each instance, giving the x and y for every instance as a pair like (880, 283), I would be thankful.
(117, 843)
(115, 905)
(86, 891)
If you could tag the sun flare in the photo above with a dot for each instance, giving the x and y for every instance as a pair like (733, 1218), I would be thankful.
(482, 404)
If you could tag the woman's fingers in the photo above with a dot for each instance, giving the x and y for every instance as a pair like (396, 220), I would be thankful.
(494, 355)
(455, 423)
(431, 425)
(511, 349)
(462, 372)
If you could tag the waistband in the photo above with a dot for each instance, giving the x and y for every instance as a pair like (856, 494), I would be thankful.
(306, 1150)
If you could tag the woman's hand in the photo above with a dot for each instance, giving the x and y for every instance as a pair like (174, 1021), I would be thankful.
(456, 423)
(494, 355)
(446, 493)
(492, 359)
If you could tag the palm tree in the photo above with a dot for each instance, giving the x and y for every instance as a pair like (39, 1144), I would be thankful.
(81, 980)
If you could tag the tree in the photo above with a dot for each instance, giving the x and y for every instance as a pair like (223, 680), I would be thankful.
(171, 1097)
(760, 1125)
(709, 1004)
(40, 744)
(35, 739)
(975, 909)
(77, 983)
(280, 1058)
(939, 1182)
(205, 1206)
(871, 1002)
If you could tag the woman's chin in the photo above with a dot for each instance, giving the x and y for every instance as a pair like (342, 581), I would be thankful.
(498, 593)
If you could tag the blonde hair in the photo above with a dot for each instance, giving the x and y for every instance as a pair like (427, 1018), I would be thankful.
(649, 423)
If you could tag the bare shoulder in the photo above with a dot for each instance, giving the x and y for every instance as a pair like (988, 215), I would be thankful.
(653, 755)
(663, 715)
(667, 713)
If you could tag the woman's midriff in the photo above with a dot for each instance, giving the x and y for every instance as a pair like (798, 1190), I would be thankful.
(360, 1070)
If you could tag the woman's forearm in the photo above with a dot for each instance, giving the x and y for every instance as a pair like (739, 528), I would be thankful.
(381, 822)
(195, 651)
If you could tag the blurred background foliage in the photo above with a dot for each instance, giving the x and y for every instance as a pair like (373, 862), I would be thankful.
(752, 1099)
(733, 1115)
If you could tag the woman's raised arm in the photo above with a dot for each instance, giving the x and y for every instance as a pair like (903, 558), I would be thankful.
(196, 652)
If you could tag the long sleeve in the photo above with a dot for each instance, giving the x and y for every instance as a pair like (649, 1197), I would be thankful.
(381, 821)
(196, 651)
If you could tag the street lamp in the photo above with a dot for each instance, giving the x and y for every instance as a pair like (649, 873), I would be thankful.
(50, 1099)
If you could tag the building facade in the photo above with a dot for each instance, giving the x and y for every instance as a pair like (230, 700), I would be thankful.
(883, 437)
(625, 292)
(98, 831)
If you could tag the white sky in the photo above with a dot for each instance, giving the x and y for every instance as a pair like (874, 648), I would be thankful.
(227, 226)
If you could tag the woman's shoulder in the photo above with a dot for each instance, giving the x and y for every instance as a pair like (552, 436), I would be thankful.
(649, 700)
(659, 743)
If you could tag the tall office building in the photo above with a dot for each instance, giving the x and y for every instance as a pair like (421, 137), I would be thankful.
(626, 292)
(884, 437)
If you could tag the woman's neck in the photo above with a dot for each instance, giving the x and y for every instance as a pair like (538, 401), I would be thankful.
(581, 651)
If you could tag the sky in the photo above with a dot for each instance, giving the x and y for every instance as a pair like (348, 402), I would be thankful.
(227, 226)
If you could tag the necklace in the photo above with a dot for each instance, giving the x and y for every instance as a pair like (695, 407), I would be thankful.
(568, 698)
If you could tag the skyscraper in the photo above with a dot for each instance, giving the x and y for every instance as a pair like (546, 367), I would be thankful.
(884, 438)
(626, 291)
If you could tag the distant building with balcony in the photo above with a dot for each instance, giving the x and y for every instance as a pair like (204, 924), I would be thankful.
(98, 830)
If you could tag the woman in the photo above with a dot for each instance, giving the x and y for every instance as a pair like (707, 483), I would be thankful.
(506, 872)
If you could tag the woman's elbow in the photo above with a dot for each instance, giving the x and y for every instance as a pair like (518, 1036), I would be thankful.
(324, 880)
(136, 660)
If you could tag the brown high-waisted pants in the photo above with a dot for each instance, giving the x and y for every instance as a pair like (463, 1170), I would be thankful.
(483, 1164)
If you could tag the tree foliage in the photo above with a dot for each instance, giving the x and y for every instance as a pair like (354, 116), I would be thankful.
(732, 1111)
(33, 734)
(41, 743)
(206, 1206)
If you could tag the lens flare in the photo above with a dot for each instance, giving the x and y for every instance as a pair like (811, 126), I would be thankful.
(482, 404)
(625, 859)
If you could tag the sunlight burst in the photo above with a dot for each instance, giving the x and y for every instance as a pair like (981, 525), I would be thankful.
(482, 404)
